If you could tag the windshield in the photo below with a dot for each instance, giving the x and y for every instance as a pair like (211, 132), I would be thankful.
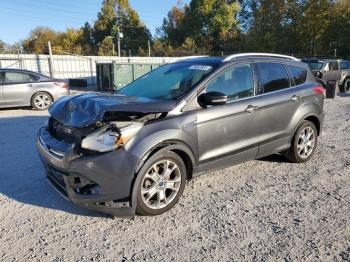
(167, 82)
(315, 65)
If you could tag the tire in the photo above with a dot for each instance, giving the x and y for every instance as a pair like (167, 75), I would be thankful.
(158, 191)
(302, 149)
(345, 87)
(41, 101)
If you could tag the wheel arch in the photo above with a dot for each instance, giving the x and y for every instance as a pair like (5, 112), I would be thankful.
(313, 118)
(176, 146)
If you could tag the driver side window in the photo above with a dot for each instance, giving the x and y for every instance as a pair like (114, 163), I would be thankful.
(236, 82)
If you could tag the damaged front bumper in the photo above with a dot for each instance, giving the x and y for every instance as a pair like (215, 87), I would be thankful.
(102, 182)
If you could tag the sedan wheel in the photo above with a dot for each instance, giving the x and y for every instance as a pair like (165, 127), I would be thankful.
(41, 101)
(162, 183)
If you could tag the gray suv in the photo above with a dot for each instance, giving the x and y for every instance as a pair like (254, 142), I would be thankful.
(132, 152)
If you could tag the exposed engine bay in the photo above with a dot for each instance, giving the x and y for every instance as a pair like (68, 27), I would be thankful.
(107, 134)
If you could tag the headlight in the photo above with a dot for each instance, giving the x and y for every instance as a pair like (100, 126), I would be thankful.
(111, 137)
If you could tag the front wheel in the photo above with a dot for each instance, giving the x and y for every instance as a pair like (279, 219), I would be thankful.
(41, 101)
(303, 144)
(162, 183)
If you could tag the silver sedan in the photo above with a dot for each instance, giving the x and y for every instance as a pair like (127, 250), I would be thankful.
(25, 88)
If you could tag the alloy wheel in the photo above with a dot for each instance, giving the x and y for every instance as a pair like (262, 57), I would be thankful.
(306, 142)
(42, 101)
(161, 184)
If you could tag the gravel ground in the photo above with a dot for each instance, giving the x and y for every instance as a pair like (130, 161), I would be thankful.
(266, 210)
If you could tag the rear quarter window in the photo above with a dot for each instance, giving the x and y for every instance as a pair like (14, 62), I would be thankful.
(299, 75)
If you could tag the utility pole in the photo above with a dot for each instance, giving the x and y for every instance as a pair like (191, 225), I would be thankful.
(149, 48)
(118, 42)
(51, 60)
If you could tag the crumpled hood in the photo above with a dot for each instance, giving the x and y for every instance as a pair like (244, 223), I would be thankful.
(83, 110)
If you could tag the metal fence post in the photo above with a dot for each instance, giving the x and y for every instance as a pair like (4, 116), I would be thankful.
(51, 60)
(92, 71)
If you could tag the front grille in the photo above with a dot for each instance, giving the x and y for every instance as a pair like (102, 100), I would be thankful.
(68, 134)
(61, 132)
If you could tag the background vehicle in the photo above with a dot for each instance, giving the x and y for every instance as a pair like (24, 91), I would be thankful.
(26, 88)
(331, 71)
(133, 151)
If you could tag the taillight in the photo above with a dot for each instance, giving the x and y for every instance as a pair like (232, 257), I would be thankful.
(61, 84)
(319, 90)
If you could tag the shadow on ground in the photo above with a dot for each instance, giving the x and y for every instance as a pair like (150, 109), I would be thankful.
(274, 158)
(21, 173)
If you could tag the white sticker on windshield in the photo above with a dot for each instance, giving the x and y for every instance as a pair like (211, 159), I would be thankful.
(200, 67)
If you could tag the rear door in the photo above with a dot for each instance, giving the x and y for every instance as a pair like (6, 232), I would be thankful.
(229, 133)
(278, 102)
(18, 88)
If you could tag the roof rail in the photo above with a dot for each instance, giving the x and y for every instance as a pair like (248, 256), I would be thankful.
(187, 57)
(231, 57)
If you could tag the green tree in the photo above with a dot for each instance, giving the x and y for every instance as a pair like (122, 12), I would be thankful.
(315, 21)
(172, 28)
(38, 38)
(115, 17)
(212, 25)
(162, 48)
(2, 46)
(106, 47)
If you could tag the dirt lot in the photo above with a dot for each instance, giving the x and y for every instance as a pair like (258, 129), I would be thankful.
(267, 210)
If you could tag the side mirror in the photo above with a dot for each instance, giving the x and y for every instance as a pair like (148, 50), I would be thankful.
(212, 98)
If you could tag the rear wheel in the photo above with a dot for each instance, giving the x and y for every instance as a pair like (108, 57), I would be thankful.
(162, 183)
(303, 144)
(41, 101)
(346, 86)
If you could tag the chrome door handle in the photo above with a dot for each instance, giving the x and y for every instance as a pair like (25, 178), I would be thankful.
(295, 98)
(30, 85)
(251, 109)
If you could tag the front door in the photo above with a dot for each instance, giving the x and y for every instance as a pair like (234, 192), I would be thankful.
(331, 72)
(228, 134)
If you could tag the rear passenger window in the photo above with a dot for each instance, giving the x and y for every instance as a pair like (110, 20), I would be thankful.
(299, 74)
(273, 77)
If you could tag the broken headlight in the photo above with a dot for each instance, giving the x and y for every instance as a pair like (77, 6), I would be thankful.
(111, 136)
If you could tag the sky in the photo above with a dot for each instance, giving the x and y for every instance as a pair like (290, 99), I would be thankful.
(19, 17)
